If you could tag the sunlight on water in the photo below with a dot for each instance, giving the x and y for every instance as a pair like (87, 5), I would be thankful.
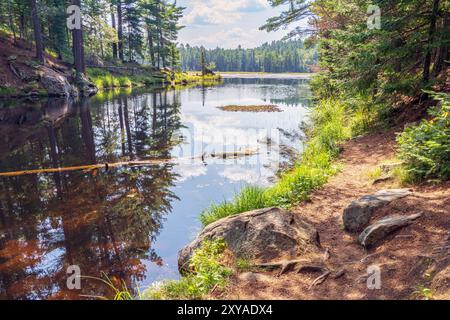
(130, 222)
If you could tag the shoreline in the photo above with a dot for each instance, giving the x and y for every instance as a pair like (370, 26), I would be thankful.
(264, 75)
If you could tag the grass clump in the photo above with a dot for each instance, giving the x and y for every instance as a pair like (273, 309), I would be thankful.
(208, 272)
(250, 198)
(425, 148)
(194, 77)
(7, 91)
(103, 79)
(311, 171)
(375, 174)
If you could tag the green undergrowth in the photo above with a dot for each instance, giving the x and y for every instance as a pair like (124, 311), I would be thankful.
(192, 77)
(103, 79)
(8, 91)
(208, 272)
(425, 147)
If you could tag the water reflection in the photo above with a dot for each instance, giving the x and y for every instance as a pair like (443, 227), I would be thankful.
(101, 221)
(127, 222)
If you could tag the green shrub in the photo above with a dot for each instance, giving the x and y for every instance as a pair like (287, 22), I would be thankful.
(425, 148)
(208, 272)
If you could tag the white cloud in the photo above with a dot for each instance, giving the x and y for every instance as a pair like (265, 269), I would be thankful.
(216, 12)
(227, 23)
(189, 170)
(237, 174)
(231, 38)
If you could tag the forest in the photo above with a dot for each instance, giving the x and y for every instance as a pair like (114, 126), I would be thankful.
(278, 56)
(143, 31)
(159, 184)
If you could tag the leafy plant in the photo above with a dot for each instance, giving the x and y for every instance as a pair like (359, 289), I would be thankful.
(120, 292)
(425, 148)
(424, 293)
(208, 272)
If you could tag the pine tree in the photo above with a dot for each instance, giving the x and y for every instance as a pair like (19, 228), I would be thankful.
(37, 32)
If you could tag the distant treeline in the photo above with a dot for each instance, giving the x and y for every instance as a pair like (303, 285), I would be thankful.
(278, 56)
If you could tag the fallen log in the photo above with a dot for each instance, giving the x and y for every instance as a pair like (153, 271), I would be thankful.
(140, 163)
(86, 168)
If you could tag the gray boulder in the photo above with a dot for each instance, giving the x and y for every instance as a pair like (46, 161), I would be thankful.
(57, 84)
(86, 87)
(382, 228)
(358, 214)
(262, 235)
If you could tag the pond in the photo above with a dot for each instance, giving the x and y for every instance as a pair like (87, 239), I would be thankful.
(129, 221)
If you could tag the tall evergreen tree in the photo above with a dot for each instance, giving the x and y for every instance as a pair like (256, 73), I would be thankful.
(37, 32)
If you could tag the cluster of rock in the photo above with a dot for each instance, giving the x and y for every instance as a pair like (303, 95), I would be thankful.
(275, 234)
(56, 81)
(357, 216)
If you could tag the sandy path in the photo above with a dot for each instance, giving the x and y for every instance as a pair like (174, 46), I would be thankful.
(403, 258)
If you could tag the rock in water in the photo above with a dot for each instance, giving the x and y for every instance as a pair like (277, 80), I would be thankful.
(56, 84)
(357, 215)
(382, 228)
(263, 235)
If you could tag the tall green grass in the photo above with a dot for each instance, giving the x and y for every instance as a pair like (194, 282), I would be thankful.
(105, 80)
(250, 198)
(328, 129)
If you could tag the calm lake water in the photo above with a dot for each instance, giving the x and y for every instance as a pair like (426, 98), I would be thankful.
(130, 222)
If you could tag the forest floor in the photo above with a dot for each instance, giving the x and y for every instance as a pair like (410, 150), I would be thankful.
(21, 74)
(18, 73)
(409, 259)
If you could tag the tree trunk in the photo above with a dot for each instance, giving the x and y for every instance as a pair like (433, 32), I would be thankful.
(113, 21)
(161, 47)
(120, 29)
(203, 62)
(432, 30)
(78, 47)
(11, 22)
(37, 32)
(150, 45)
(444, 49)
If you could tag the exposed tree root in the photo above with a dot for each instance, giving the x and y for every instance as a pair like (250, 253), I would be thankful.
(321, 279)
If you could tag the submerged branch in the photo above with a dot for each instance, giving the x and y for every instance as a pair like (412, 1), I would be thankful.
(87, 168)
(140, 163)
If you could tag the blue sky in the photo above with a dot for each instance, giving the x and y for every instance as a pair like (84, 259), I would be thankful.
(227, 23)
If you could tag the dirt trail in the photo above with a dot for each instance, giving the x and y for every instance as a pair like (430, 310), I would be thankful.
(408, 259)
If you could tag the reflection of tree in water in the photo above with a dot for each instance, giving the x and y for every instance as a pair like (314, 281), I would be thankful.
(101, 221)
